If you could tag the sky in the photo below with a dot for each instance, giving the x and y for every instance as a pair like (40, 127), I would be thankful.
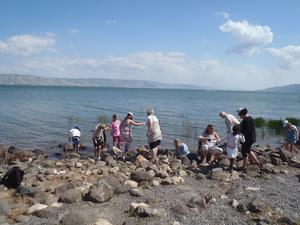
(232, 44)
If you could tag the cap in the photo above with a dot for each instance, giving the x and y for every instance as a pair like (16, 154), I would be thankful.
(130, 113)
(242, 111)
(285, 123)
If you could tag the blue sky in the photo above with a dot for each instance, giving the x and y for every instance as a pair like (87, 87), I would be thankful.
(218, 44)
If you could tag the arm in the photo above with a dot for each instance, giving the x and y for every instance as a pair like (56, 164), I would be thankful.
(136, 123)
(242, 138)
(149, 124)
(218, 139)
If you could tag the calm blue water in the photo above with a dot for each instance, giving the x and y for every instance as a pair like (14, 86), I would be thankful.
(40, 117)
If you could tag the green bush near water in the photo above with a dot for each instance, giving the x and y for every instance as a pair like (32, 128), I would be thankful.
(274, 125)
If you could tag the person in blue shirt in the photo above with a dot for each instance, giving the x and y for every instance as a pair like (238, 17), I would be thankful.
(182, 151)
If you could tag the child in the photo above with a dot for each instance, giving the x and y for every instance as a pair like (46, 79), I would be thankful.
(99, 140)
(233, 141)
(115, 130)
(74, 135)
(182, 151)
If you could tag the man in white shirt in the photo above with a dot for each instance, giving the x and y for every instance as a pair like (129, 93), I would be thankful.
(230, 121)
(74, 135)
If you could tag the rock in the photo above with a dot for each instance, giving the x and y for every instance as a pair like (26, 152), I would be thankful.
(136, 192)
(27, 191)
(74, 155)
(117, 152)
(253, 171)
(200, 176)
(100, 192)
(48, 213)
(83, 217)
(112, 180)
(177, 180)
(71, 196)
(175, 164)
(218, 174)
(285, 155)
(180, 209)
(197, 202)
(131, 183)
(276, 161)
(59, 164)
(4, 207)
(36, 207)
(78, 164)
(257, 205)
(263, 159)
(234, 203)
(267, 168)
(252, 189)
(143, 210)
(140, 175)
(286, 221)
(22, 219)
(141, 161)
(224, 162)
(162, 174)
(101, 163)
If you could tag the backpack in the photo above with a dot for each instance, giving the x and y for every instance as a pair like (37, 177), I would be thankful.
(102, 136)
(13, 177)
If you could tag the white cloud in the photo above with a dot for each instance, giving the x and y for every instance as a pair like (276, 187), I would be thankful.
(74, 31)
(28, 44)
(250, 38)
(288, 56)
(225, 15)
(109, 22)
(172, 67)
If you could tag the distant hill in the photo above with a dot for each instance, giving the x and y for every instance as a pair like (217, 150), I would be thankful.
(15, 79)
(292, 88)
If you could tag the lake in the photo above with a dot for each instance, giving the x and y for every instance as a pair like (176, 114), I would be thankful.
(40, 117)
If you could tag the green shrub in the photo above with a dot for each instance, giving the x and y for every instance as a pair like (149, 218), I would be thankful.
(260, 122)
(294, 121)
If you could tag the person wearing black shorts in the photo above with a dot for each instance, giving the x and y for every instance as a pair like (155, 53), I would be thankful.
(247, 128)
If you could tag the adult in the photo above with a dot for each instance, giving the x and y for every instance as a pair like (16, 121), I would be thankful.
(154, 133)
(230, 121)
(126, 132)
(208, 143)
(74, 136)
(291, 135)
(247, 128)
(182, 151)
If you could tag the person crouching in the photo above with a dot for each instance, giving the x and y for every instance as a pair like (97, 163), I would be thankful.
(182, 151)
(99, 140)
(74, 135)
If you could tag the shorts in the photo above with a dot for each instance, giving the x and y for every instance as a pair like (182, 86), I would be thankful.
(154, 144)
(232, 152)
(76, 140)
(212, 149)
(98, 143)
(246, 148)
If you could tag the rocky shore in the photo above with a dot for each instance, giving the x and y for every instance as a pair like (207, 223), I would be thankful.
(81, 191)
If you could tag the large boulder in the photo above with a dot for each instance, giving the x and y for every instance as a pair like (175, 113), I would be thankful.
(100, 192)
(141, 174)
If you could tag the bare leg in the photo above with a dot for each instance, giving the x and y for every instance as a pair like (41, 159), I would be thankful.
(253, 156)
(203, 154)
(231, 165)
(153, 154)
(245, 159)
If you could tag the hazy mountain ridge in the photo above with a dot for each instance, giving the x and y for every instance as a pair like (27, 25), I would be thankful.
(292, 88)
(15, 79)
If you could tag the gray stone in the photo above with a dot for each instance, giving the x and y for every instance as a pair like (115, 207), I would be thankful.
(136, 192)
(285, 155)
(140, 175)
(71, 196)
(175, 164)
(180, 209)
(83, 217)
(267, 168)
(257, 205)
(100, 192)
(276, 161)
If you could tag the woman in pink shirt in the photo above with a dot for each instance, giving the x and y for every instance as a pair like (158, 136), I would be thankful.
(115, 130)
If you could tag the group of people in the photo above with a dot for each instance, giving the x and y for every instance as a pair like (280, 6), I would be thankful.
(209, 143)
(121, 133)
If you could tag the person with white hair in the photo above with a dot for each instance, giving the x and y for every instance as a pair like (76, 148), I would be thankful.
(291, 135)
(230, 121)
(154, 133)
